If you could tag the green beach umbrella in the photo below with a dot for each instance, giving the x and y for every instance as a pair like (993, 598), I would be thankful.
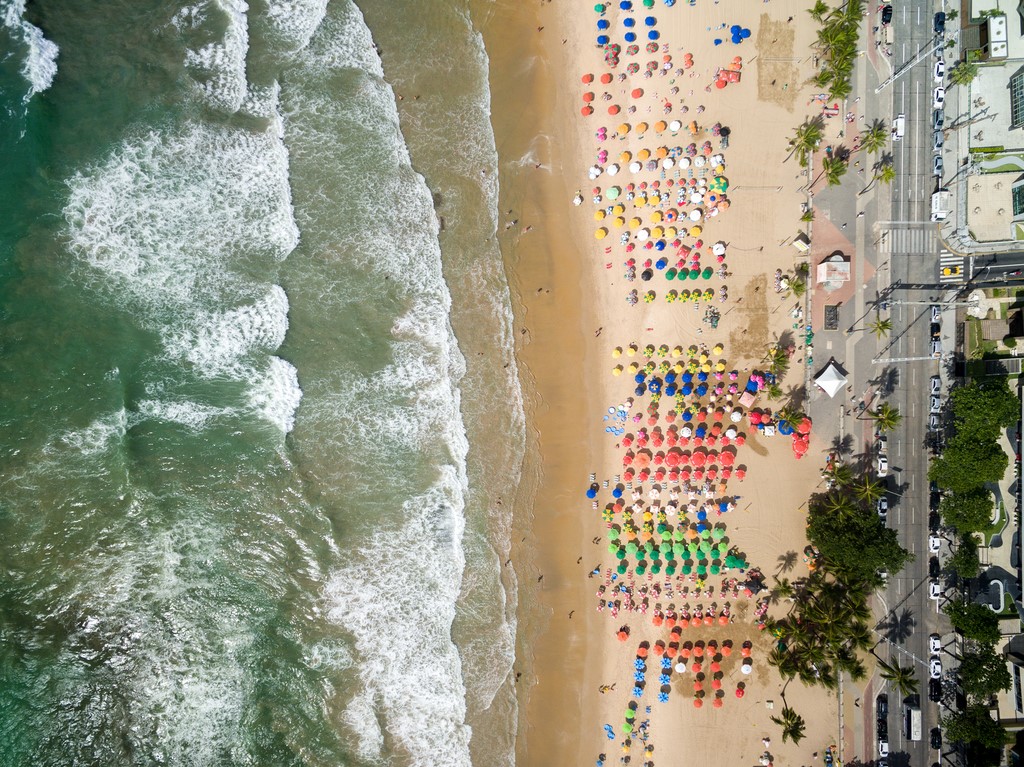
(702, 570)
(621, 569)
(718, 533)
(687, 569)
(706, 274)
(612, 548)
(715, 569)
(671, 274)
(631, 547)
(620, 553)
(627, 727)
(670, 570)
(630, 713)
(613, 533)
(694, 274)
(656, 568)
(640, 569)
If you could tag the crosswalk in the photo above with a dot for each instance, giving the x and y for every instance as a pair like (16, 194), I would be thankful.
(906, 241)
(952, 267)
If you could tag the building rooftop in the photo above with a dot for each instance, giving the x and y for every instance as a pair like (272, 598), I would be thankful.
(990, 205)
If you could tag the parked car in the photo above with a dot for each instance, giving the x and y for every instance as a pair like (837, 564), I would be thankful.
(883, 466)
(886, 14)
(935, 738)
(935, 329)
(938, 139)
(935, 384)
(882, 729)
(883, 747)
(934, 521)
(940, 71)
(940, 23)
(937, 166)
(934, 644)
(883, 508)
(938, 97)
(934, 571)
(934, 543)
(938, 118)
(934, 404)
(934, 690)
(936, 312)
(936, 345)
(934, 590)
(935, 667)
(933, 422)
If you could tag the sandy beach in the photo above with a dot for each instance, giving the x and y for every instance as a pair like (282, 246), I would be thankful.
(572, 314)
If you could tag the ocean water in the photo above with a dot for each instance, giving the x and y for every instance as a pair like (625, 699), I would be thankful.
(255, 345)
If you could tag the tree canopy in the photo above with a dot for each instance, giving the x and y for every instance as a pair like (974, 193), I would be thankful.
(984, 408)
(974, 724)
(974, 621)
(855, 542)
(968, 462)
(983, 673)
(969, 511)
(964, 561)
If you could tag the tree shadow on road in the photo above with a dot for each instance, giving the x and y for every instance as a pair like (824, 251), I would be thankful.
(897, 628)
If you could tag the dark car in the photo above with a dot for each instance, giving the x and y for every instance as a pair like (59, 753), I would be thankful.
(935, 739)
(938, 117)
(934, 522)
(886, 14)
(940, 23)
(882, 705)
(882, 727)
(935, 692)
(934, 498)
(934, 568)
(935, 329)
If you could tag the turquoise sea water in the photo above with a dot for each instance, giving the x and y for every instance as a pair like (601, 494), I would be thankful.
(249, 485)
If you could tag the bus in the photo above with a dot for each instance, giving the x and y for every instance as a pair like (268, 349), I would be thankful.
(913, 723)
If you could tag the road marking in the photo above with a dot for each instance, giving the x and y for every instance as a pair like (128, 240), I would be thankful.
(899, 448)
(954, 263)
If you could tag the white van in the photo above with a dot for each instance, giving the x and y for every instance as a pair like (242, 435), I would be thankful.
(899, 125)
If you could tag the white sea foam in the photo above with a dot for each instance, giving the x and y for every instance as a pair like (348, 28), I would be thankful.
(40, 65)
(99, 435)
(295, 21)
(193, 415)
(414, 677)
(174, 224)
(218, 67)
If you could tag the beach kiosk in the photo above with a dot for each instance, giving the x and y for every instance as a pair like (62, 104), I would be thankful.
(831, 380)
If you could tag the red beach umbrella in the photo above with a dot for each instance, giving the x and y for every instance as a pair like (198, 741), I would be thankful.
(637, 93)
(614, 109)
(717, 703)
(697, 703)
(587, 111)
(623, 636)
(606, 78)
(740, 692)
(588, 96)
(588, 78)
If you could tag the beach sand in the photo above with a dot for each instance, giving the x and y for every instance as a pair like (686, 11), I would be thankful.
(564, 294)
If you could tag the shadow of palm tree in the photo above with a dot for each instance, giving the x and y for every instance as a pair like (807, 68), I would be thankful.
(787, 562)
(886, 381)
(842, 444)
(897, 628)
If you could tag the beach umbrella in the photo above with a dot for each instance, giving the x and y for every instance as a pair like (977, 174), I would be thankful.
(587, 111)
(603, 24)
(602, 39)
(740, 692)
(650, 21)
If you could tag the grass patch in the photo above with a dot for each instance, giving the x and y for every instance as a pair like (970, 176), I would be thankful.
(973, 340)
(996, 527)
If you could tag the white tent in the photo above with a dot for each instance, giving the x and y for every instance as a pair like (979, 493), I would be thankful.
(831, 379)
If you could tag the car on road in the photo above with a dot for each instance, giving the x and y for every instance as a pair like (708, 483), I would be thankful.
(882, 729)
(935, 384)
(882, 706)
(883, 465)
(883, 747)
(934, 590)
(934, 543)
(934, 404)
(934, 571)
(938, 97)
(935, 667)
(934, 644)
(938, 139)
(951, 271)
(886, 14)
(938, 118)
(936, 312)
(934, 521)
(933, 422)
(940, 23)
(935, 330)
(883, 508)
(940, 71)
(935, 347)
(935, 738)
(937, 166)
(934, 690)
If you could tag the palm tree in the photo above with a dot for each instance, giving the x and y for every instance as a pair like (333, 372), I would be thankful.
(833, 169)
(783, 589)
(867, 490)
(778, 361)
(884, 171)
(839, 504)
(819, 10)
(880, 327)
(964, 73)
(901, 676)
(792, 724)
(874, 137)
(842, 474)
(806, 140)
(886, 417)
(795, 287)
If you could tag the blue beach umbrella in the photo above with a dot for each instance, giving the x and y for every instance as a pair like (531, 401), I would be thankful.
(661, 264)
(625, 5)
(639, 377)
(653, 35)
(702, 376)
(617, 492)
(670, 390)
(687, 377)
(702, 390)
(735, 29)
(659, 245)
(639, 390)
(687, 390)
(687, 415)
(602, 39)
(628, 22)
(591, 493)
(603, 23)
(718, 41)
(650, 21)
(630, 37)
(670, 378)
(662, 697)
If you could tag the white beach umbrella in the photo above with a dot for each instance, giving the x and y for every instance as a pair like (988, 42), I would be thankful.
(680, 668)
(699, 161)
(696, 214)
(717, 159)
(735, 416)
(668, 162)
(612, 169)
(718, 249)
(684, 162)
(595, 171)
(696, 198)
(635, 167)
(675, 125)
(643, 234)
(578, 199)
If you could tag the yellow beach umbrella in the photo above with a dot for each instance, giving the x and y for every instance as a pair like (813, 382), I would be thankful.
(601, 233)
(705, 368)
(643, 154)
(695, 231)
(618, 222)
(720, 367)
(617, 370)
(624, 128)
(633, 367)
(656, 216)
(619, 209)
(634, 222)
(625, 157)
(670, 232)
(677, 351)
(654, 199)
(599, 214)
(616, 352)
(702, 359)
(631, 350)
(657, 232)
(641, 128)
(718, 349)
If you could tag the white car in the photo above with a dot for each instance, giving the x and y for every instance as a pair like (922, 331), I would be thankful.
(935, 383)
(934, 543)
(935, 590)
(939, 97)
(883, 465)
(940, 71)
(934, 644)
(883, 748)
(936, 312)
(935, 667)
(934, 404)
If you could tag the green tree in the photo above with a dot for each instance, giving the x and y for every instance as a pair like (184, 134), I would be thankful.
(964, 73)
(886, 417)
(792, 724)
(974, 621)
(868, 490)
(874, 137)
(967, 463)
(857, 544)
(986, 407)
(808, 136)
(983, 673)
(833, 169)
(901, 677)
(969, 511)
(880, 327)
(975, 724)
(964, 561)
(819, 10)
(795, 287)
(883, 171)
